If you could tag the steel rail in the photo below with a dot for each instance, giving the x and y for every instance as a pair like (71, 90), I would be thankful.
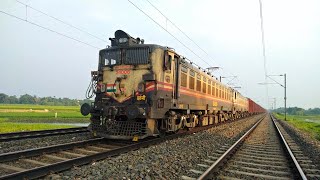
(11, 156)
(64, 165)
(42, 133)
(216, 165)
(288, 150)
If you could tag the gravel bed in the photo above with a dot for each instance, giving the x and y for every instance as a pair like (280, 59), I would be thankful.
(167, 160)
(264, 135)
(309, 145)
(24, 144)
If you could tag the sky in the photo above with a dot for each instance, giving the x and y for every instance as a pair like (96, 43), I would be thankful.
(41, 62)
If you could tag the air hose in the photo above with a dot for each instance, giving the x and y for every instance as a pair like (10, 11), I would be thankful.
(91, 90)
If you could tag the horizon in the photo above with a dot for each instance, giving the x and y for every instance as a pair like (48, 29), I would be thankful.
(38, 61)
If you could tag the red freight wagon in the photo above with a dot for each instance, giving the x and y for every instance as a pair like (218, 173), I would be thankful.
(254, 107)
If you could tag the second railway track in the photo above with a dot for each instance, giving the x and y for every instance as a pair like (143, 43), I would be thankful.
(39, 162)
(262, 153)
(4, 137)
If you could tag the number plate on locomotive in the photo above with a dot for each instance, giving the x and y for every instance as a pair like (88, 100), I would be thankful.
(135, 138)
(141, 98)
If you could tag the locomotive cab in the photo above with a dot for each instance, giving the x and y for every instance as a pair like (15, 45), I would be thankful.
(126, 88)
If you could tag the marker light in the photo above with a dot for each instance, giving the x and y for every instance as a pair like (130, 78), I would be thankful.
(141, 87)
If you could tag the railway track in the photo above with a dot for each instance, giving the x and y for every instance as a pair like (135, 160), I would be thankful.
(311, 170)
(35, 134)
(39, 162)
(261, 153)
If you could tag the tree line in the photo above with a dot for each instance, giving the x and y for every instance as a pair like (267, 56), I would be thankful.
(51, 101)
(299, 111)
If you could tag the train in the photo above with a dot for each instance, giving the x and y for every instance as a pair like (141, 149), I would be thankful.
(143, 90)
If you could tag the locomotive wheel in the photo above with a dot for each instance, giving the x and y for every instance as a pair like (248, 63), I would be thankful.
(93, 135)
(183, 125)
(162, 133)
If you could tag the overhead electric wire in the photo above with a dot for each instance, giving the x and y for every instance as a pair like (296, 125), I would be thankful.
(212, 60)
(264, 51)
(59, 20)
(180, 30)
(262, 39)
(48, 29)
(168, 32)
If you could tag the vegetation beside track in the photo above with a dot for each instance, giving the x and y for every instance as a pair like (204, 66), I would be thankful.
(16, 127)
(29, 117)
(41, 113)
(308, 123)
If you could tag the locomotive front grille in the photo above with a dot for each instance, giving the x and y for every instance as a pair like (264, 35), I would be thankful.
(122, 128)
(125, 128)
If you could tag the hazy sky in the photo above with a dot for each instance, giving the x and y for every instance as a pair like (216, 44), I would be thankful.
(42, 63)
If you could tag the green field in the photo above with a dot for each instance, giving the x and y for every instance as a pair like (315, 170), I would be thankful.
(309, 124)
(39, 107)
(15, 127)
(21, 117)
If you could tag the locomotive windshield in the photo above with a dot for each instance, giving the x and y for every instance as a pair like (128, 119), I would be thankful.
(110, 58)
(129, 56)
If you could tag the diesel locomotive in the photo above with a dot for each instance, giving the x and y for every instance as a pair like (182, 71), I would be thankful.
(146, 90)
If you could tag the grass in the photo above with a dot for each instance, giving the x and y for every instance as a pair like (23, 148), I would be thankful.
(309, 124)
(41, 113)
(39, 107)
(15, 127)
(24, 117)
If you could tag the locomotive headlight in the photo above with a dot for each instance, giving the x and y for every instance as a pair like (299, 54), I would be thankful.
(141, 87)
(123, 40)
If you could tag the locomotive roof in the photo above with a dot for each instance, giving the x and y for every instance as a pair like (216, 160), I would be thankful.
(186, 62)
(151, 46)
(124, 40)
